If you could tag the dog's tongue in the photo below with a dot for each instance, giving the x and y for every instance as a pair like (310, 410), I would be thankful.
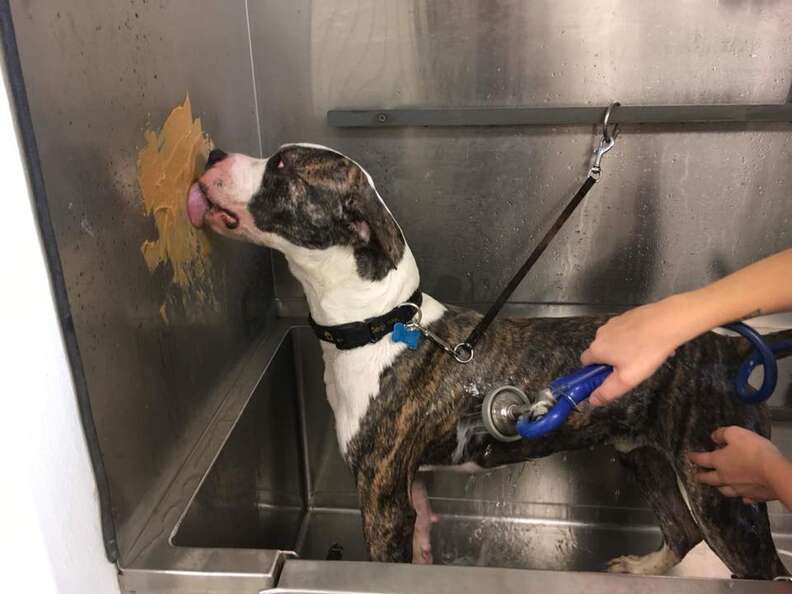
(197, 205)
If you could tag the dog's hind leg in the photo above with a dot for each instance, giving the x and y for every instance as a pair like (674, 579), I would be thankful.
(424, 518)
(658, 483)
(738, 533)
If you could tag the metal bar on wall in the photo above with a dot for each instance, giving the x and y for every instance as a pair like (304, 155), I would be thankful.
(557, 116)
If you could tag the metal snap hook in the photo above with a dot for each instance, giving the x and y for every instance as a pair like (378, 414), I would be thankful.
(463, 352)
(606, 121)
(604, 146)
(606, 143)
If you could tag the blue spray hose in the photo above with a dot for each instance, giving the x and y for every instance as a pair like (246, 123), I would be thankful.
(763, 354)
(572, 389)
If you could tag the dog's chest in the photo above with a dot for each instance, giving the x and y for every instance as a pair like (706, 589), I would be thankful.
(352, 378)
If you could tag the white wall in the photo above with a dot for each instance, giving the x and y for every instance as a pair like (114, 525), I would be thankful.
(50, 538)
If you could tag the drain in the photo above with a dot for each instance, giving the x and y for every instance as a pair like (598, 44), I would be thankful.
(335, 552)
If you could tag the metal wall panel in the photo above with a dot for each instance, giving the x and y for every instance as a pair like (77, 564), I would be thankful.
(676, 206)
(97, 75)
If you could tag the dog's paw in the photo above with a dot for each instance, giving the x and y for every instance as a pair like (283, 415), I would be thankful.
(422, 556)
(624, 564)
(422, 545)
(656, 563)
(422, 539)
(422, 530)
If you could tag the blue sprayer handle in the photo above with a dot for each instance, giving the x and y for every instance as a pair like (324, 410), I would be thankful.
(579, 384)
(569, 391)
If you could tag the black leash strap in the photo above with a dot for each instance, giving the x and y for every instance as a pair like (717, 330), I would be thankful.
(464, 351)
(492, 312)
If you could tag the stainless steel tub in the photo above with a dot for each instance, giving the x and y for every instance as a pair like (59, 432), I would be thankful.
(266, 493)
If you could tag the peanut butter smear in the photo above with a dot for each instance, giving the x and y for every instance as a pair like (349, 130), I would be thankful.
(171, 160)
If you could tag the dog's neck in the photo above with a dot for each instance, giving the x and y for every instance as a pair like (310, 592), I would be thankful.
(337, 294)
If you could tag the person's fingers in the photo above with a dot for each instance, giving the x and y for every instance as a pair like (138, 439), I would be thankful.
(703, 459)
(610, 390)
(597, 399)
(587, 357)
(719, 436)
(728, 491)
(710, 478)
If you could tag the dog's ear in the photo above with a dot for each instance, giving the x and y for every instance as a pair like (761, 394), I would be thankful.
(371, 224)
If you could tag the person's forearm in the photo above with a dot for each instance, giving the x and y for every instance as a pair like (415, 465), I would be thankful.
(778, 473)
(762, 288)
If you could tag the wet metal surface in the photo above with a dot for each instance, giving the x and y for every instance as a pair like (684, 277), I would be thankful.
(97, 76)
(676, 207)
(339, 577)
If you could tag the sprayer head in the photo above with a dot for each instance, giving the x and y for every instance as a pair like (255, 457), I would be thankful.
(501, 409)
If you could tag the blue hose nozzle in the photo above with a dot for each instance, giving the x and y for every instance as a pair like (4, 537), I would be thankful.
(568, 391)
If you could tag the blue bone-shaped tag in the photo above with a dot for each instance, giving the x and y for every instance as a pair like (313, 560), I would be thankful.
(409, 336)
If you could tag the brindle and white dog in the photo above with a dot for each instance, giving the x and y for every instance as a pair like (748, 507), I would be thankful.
(397, 410)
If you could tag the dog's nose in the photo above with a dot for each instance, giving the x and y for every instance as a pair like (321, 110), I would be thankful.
(215, 156)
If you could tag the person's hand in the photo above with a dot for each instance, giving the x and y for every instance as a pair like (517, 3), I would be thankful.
(742, 466)
(635, 344)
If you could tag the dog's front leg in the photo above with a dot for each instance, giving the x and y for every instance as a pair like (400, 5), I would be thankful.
(388, 517)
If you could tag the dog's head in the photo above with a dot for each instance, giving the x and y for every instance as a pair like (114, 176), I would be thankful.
(303, 197)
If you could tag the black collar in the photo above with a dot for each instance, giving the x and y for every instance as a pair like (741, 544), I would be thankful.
(357, 334)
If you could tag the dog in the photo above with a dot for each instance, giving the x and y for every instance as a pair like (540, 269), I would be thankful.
(399, 410)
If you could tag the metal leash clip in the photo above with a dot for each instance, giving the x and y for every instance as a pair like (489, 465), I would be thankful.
(462, 352)
(607, 141)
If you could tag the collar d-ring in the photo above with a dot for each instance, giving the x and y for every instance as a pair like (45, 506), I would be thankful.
(463, 352)
(416, 320)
